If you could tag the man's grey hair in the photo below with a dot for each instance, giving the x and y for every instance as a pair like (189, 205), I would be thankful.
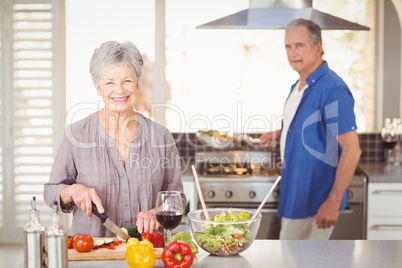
(314, 30)
(112, 53)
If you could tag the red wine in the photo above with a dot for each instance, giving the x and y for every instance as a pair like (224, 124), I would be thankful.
(169, 219)
(390, 144)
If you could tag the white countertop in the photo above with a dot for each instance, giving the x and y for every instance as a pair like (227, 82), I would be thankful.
(271, 253)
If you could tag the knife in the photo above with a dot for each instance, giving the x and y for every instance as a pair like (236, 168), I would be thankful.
(109, 224)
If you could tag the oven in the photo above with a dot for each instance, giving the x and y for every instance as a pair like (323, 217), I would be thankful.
(352, 222)
(242, 179)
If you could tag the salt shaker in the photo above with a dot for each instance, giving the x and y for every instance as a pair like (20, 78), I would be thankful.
(34, 240)
(56, 242)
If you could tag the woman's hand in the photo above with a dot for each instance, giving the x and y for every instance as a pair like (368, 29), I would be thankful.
(82, 196)
(270, 139)
(147, 222)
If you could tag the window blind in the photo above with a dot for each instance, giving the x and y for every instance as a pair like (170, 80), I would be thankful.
(1, 131)
(33, 111)
(30, 109)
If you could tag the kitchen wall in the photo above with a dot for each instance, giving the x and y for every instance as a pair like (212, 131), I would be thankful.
(390, 105)
(388, 90)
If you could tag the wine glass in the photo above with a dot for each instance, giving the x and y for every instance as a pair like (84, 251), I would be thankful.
(398, 150)
(169, 210)
(390, 139)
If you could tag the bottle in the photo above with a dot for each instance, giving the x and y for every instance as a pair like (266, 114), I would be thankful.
(56, 242)
(34, 240)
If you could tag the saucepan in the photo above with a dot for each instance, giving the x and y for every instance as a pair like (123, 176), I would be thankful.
(220, 140)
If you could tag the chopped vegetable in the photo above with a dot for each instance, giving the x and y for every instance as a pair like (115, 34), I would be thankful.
(99, 242)
(182, 236)
(155, 238)
(108, 243)
(132, 231)
(111, 246)
(177, 254)
(225, 239)
(108, 240)
(231, 217)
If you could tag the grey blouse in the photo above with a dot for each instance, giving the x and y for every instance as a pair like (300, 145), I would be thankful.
(87, 155)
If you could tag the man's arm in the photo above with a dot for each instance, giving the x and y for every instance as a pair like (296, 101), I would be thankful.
(270, 139)
(328, 213)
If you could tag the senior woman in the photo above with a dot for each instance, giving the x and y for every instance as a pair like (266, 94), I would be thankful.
(115, 157)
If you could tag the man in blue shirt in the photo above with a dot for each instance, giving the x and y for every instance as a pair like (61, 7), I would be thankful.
(318, 140)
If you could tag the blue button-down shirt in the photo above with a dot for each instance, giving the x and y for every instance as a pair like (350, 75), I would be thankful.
(312, 151)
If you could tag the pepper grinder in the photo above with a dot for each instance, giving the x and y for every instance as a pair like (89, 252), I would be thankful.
(34, 240)
(56, 242)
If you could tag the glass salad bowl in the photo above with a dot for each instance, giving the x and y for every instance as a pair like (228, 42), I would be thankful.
(228, 232)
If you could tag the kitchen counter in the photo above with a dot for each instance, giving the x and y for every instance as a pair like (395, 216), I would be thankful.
(271, 253)
(381, 172)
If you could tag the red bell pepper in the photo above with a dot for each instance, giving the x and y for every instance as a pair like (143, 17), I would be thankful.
(177, 255)
(155, 238)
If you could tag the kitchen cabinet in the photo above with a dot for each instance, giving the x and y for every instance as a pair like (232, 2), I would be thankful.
(384, 219)
(190, 191)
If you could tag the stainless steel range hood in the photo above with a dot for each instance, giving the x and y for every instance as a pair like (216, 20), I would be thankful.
(276, 14)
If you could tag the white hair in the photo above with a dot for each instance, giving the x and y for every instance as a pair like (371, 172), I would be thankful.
(112, 53)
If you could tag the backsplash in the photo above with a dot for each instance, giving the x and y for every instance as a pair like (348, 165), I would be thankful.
(188, 144)
(372, 147)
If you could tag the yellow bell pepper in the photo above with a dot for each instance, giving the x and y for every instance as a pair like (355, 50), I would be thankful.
(139, 254)
(148, 243)
(132, 241)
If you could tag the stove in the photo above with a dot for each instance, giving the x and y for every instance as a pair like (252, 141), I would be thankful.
(237, 163)
(241, 179)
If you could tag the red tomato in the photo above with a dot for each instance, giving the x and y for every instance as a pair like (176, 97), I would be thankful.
(237, 236)
(83, 242)
(70, 241)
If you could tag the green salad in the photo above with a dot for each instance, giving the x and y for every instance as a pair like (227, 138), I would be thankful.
(225, 239)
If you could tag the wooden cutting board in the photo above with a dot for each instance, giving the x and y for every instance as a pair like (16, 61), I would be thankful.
(104, 254)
